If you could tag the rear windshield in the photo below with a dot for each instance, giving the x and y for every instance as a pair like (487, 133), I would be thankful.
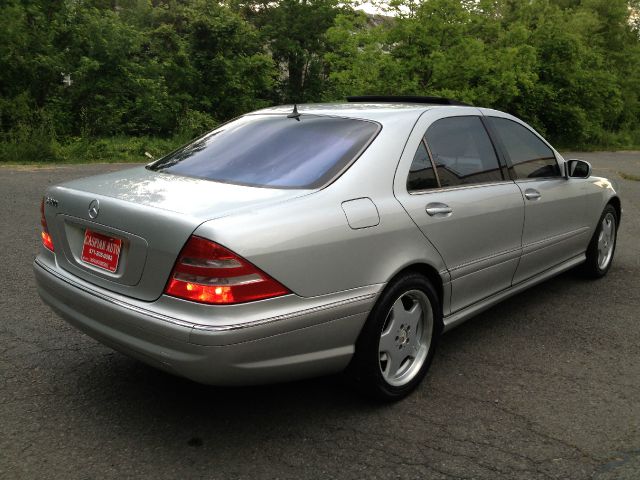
(273, 151)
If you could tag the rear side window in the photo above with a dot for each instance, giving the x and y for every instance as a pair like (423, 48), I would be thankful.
(530, 156)
(273, 151)
(462, 152)
(421, 174)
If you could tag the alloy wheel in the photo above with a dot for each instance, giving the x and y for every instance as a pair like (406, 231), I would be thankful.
(405, 338)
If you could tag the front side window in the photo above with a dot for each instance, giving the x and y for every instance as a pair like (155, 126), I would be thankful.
(530, 156)
(273, 151)
(462, 152)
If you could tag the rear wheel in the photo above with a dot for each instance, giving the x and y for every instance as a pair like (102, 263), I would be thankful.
(603, 245)
(396, 345)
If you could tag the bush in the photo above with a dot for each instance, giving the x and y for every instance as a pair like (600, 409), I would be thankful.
(28, 142)
(87, 150)
(194, 123)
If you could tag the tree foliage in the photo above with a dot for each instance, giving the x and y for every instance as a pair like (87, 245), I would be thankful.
(294, 31)
(96, 68)
(570, 67)
(135, 67)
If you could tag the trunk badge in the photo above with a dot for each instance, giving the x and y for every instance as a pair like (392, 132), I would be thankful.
(94, 208)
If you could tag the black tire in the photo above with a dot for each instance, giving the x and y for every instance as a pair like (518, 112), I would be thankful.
(594, 267)
(366, 367)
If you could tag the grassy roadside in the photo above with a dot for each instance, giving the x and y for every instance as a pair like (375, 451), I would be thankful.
(127, 149)
(629, 176)
(118, 149)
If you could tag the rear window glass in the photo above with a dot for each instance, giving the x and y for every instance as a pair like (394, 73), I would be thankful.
(273, 151)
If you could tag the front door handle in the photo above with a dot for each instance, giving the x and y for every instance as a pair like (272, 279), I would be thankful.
(532, 194)
(439, 209)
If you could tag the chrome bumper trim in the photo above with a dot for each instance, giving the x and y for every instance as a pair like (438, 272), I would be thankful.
(199, 327)
(288, 316)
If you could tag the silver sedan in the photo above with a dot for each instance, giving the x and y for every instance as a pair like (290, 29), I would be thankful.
(307, 240)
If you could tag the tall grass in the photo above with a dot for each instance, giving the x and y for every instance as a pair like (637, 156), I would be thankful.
(35, 140)
(43, 149)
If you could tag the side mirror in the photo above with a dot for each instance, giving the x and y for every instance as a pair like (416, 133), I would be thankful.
(578, 169)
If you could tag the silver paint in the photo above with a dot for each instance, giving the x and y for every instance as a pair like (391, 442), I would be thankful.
(335, 248)
(361, 213)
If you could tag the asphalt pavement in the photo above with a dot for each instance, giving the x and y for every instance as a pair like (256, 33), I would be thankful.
(545, 385)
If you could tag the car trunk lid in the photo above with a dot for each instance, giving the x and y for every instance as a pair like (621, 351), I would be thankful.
(149, 214)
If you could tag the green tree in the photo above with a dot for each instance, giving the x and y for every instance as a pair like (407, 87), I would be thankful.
(569, 67)
(167, 67)
(294, 32)
(135, 67)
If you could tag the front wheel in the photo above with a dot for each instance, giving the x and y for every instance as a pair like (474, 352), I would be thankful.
(603, 245)
(396, 345)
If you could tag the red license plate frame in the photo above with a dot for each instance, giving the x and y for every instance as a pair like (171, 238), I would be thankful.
(101, 251)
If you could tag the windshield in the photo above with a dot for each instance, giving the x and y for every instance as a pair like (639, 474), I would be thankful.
(273, 151)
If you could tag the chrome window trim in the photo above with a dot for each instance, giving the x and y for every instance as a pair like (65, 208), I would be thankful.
(433, 163)
(460, 187)
(538, 179)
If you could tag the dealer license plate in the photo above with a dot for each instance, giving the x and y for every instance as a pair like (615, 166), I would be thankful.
(101, 251)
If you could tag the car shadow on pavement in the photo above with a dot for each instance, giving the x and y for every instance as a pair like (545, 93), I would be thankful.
(126, 397)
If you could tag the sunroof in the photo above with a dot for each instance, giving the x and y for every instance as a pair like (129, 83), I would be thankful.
(404, 99)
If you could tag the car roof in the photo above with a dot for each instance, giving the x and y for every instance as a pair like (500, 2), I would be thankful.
(379, 112)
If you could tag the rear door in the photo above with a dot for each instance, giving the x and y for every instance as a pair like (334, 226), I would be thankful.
(556, 227)
(453, 186)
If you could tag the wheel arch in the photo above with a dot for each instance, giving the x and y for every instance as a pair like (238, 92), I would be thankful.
(428, 271)
(615, 203)
(363, 370)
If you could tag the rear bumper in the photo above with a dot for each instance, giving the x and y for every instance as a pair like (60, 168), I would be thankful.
(294, 338)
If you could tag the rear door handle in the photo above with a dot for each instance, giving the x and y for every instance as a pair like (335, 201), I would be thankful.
(439, 209)
(532, 194)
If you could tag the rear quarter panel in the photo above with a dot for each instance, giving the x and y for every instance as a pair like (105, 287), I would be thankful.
(307, 243)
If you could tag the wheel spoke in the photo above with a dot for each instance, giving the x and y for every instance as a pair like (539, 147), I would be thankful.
(394, 361)
(390, 333)
(398, 312)
(416, 340)
(388, 341)
(413, 317)
(609, 228)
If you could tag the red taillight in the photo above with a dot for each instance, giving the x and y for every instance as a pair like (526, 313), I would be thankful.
(209, 273)
(46, 238)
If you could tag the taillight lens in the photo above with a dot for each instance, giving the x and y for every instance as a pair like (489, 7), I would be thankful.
(46, 238)
(209, 273)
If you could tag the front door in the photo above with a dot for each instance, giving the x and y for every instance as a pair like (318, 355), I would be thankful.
(556, 228)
